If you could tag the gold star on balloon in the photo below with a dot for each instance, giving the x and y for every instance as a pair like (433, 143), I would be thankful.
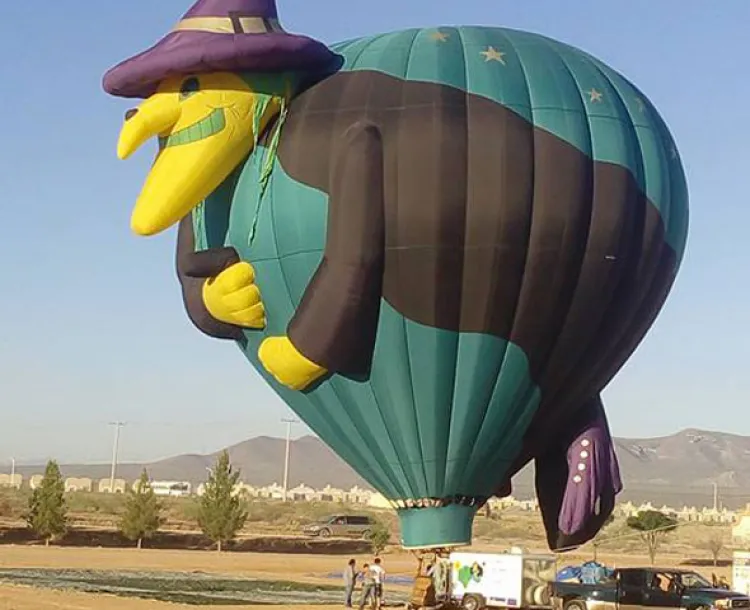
(492, 54)
(439, 36)
(594, 95)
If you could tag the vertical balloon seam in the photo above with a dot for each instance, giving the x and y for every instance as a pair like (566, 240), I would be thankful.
(447, 436)
(323, 412)
(510, 412)
(401, 436)
(680, 216)
(416, 492)
(430, 481)
(328, 423)
(488, 406)
(638, 177)
(397, 486)
(528, 403)
(476, 446)
(398, 446)
(534, 148)
(663, 207)
(367, 42)
(561, 55)
(387, 475)
(377, 462)
(580, 259)
(645, 301)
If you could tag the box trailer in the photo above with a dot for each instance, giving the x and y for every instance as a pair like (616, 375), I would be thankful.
(494, 580)
(741, 572)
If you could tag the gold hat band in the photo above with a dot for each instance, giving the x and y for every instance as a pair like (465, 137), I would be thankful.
(229, 25)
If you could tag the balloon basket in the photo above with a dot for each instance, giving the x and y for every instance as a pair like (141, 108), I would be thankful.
(438, 527)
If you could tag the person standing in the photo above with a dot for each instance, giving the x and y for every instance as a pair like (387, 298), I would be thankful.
(368, 585)
(379, 579)
(350, 579)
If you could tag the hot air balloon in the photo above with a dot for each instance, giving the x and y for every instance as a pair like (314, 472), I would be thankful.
(437, 245)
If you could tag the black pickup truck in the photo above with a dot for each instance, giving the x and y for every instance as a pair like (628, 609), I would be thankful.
(647, 589)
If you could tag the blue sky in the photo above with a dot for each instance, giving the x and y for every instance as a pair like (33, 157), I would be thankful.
(91, 321)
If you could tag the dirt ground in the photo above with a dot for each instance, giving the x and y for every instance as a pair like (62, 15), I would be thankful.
(23, 598)
(300, 568)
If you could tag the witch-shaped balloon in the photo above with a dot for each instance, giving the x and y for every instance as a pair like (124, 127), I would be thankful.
(438, 245)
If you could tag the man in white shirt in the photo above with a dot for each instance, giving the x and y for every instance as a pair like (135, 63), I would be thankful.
(378, 574)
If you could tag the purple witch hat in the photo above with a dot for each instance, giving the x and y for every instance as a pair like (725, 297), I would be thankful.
(218, 35)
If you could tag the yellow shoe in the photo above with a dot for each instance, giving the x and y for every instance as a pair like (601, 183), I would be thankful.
(233, 297)
(288, 366)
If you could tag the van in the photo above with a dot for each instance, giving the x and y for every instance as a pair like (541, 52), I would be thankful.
(340, 526)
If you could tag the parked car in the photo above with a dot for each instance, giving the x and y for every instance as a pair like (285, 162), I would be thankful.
(340, 526)
(647, 589)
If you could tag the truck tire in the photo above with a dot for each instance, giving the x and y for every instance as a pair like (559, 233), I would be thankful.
(473, 602)
(575, 604)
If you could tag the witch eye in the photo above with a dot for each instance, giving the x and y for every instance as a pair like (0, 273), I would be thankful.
(189, 87)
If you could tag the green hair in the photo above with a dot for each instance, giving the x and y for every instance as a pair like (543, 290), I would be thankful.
(268, 89)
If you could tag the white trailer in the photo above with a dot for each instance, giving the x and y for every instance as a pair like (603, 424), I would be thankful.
(499, 580)
(741, 572)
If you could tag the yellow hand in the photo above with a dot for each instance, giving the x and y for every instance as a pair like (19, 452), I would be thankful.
(288, 366)
(233, 297)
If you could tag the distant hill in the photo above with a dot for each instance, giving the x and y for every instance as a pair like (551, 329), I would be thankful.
(674, 470)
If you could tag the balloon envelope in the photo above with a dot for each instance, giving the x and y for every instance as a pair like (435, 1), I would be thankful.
(572, 225)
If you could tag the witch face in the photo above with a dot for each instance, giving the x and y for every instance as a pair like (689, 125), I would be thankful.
(200, 102)
(204, 123)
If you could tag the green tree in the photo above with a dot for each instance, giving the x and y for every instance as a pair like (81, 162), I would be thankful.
(379, 537)
(47, 514)
(142, 517)
(222, 512)
(653, 526)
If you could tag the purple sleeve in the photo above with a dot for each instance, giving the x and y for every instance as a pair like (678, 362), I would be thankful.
(578, 480)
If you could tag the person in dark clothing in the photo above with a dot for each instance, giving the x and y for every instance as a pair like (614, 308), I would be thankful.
(350, 580)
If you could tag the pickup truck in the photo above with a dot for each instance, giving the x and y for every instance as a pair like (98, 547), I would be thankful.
(646, 589)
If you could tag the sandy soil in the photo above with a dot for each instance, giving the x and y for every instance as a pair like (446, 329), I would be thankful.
(22, 598)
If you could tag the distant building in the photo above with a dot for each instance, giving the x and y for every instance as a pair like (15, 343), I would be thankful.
(357, 495)
(13, 481)
(243, 489)
(270, 492)
(73, 484)
(741, 531)
(35, 480)
(170, 488)
(331, 494)
(301, 493)
(119, 486)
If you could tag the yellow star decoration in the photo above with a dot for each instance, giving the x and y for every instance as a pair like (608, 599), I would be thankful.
(594, 95)
(439, 36)
(492, 54)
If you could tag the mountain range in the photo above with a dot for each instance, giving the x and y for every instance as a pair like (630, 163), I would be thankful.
(685, 468)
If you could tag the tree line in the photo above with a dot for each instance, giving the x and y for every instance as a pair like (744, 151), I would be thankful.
(221, 513)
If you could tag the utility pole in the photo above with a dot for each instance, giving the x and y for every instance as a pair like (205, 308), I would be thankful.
(288, 423)
(118, 425)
